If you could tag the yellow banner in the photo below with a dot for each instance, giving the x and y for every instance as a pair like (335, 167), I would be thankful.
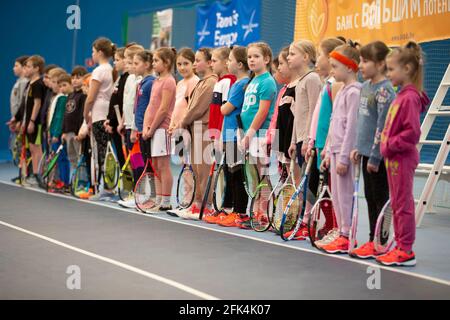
(392, 21)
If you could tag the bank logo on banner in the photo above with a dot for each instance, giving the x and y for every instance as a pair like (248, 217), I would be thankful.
(234, 23)
(392, 21)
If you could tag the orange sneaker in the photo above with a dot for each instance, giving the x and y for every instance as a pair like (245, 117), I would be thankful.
(234, 220)
(398, 257)
(86, 195)
(301, 234)
(366, 251)
(215, 218)
(340, 245)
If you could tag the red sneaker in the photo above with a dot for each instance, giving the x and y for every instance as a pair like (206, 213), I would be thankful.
(398, 257)
(229, 220)
(366, 251)
(340, 245)
(301, 234)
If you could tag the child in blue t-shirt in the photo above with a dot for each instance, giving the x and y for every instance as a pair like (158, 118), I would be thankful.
(237, 65)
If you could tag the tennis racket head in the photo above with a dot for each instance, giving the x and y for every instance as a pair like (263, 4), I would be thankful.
(287, 209)
(384, 230)
(126, 180)
(322, 220)
(111, 171)
(81, 181)
(219, 189)
(260, 206)
(16, 147)
(145, 190)
(186, 187)
(251, 177)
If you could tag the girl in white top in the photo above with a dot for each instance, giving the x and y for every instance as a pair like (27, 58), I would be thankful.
(129, 95)
(100, 90)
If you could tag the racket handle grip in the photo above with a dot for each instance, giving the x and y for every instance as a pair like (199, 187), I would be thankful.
(310, 162)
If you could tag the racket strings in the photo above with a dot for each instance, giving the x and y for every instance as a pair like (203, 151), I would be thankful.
(186, 188)
(261, 208)
(145, 193)
(111, 171)
(282, 203)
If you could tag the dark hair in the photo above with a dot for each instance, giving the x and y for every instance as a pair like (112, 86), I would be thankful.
(284, 53)
(207, 52)
(187, 53)
(22, 60)
(342, 39)
(376, 51)
(105, 46)
(168, 56)
(240, 54)
(79, 71)
(146, 56)
(276, 62)
(64, 78)
(411, 54)
(38, 62)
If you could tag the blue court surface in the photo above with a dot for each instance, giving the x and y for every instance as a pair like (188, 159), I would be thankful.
(58, 247)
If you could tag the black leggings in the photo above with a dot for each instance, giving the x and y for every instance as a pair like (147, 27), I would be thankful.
(376, 190)
(235, 194)
(101, 138)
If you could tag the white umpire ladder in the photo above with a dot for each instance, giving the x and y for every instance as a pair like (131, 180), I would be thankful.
(434, 170)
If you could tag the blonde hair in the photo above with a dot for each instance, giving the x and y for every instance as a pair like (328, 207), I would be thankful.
(306, 47)
(350, 50)
(132, 50)
(56, 73)
(329, 44)
(411, 54)
(222, 52)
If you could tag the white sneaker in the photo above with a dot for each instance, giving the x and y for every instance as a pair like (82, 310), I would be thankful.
(129, 203)
(330, 237)
(31, 181)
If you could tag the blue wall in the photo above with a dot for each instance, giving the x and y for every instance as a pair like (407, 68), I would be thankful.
(29, 27)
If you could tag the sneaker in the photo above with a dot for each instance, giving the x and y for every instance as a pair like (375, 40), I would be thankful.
(194, 213)
(398, 257)
(340, 245)
(86, 195)
(148, 207)
(301, 234)
(330, 237)
(366, 251)
(16, 180)
(215, 218)
(245, 223)
(174, 212)
(128, 203)
(31, 180)
(162, 208)
(229, 220)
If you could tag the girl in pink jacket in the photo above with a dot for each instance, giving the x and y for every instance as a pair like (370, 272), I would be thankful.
(398, 146)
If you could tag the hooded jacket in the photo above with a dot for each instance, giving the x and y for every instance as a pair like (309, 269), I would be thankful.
(401, 132)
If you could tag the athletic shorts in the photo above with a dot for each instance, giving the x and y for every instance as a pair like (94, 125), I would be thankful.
(161, 143)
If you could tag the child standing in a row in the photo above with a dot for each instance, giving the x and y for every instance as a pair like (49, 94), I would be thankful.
(342, 139)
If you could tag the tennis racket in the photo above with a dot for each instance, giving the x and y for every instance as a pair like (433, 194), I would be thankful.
(322, 219)
(94, 164)
(186, 184)
(208, 188)
(16, 147)
(296, 205)
(43, 165)
(126, 180)
(354, 226)
(260, 210)
(111, 169)
(283, 174)
(145, 189)
(281, 200)
(220, 186)
(80, 182)
(53, 160)
(384, 230)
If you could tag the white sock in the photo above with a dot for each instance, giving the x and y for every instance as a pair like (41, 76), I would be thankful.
(165, 201)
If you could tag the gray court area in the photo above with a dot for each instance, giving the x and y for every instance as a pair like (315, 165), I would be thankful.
(239, 264)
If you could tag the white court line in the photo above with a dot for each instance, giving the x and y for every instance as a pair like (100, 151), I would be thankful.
(284, 245)
(119, 264)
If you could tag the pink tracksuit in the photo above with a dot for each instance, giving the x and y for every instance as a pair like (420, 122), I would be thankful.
(341, 141)
(398, 146)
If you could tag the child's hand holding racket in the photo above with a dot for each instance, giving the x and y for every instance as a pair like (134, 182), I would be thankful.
(355, 157)
(371, 168)
(325, 163)
(292, 150)
(341, 169)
